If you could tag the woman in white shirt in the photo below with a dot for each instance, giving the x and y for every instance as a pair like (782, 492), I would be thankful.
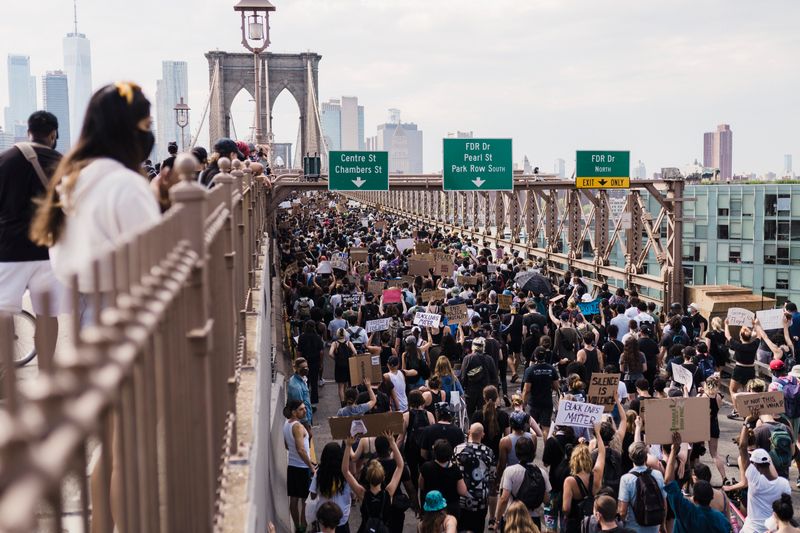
(96, 198)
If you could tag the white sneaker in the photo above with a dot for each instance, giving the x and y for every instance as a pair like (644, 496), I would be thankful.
(321, 382)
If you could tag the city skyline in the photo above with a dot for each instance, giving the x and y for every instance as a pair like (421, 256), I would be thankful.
(644, 98)
(78, 68)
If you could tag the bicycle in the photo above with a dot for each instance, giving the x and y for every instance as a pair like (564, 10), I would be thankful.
(24, 346)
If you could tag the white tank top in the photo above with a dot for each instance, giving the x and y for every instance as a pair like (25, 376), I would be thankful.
(399, 382)
(288, 439)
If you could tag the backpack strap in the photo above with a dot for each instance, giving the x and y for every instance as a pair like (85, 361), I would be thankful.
(30, 154)
(584, 491)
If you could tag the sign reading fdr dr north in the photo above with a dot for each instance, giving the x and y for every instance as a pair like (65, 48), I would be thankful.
(358, 171)
(602, 169)
(478, 165)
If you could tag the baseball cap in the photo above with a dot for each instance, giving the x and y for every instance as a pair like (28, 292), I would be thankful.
(479, 342)
(411, 339)
(694, 306)
(760, 457)
(434, 501)
(776, 364)
(225, 146)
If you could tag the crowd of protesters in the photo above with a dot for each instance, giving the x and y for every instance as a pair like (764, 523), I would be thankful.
(478, 394)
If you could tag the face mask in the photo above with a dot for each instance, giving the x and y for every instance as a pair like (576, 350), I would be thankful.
(146, 142)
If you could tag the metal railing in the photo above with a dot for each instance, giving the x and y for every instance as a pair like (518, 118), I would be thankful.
(152, 380)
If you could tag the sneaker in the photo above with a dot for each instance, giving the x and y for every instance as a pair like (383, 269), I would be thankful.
(734, 415)
(321, 382)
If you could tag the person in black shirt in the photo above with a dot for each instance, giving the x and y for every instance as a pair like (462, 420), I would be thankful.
(310, 346)
(442, 429)
(540, 381)
(444, 475)
(744, 354)
(23, 264)
(649, 347)
(612, 350)
(699, 323)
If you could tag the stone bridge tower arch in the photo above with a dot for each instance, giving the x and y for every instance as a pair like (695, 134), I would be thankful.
(297, 73)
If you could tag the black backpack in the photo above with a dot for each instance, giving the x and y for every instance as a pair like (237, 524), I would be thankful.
(475, 374)
(586, 505)
(531, 492)
(613, 470)
(648, 506)
(375, 524)
(418, 421)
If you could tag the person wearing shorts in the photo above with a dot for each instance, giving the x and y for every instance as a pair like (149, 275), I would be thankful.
(744, 353)
(24, 266)
(540, 380)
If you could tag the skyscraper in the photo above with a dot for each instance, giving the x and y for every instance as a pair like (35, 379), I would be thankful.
(403, 141)
(78, 66)
(55, 93)
(787, 165)
(640, 171)
(21, 95)
(173, 85)
(331, 119)
(718, 151)
(351, 124)
(560, 167)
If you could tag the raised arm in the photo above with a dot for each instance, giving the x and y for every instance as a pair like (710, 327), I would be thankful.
(600, 463)
(355, 486)
(391, 488)
(673, 453)
(623, 421)
(727, 330)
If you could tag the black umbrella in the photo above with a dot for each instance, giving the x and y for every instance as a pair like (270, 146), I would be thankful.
(534, 282)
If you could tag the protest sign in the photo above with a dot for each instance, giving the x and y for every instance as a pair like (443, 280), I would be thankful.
(442, 257)
(380, 324)
(687, 416)
(373, 425)
(423, 257)
(375, 287)
(433, 296)
(324, 267)
(392, 296)
(557, 298)
(578, 414)
(467, 280)
(339, 261)
(427, 320)
(456, 314)
(362, 269)
(296, 209)
(590, 308)
(404, 244)
(365, 366)
(603, 390)
(359, 254)
(394, 283)
(444, 269)
(379, 225)
(419, 268)
(364, 222)
(504, 301)
(682, 375)
(770, 319)
(767, 403)
(740, 317)
(352, 299)
(292, 269)
(491, 268)
(408, 279)
(422, 247)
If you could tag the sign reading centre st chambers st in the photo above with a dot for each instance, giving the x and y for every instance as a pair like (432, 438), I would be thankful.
(358, 171)
(478, 165)
(602, 169)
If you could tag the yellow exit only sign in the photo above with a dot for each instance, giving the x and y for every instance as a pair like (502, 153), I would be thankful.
(603, 183)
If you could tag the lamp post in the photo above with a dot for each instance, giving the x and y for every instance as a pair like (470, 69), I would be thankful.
(255, 37)
(182, 120)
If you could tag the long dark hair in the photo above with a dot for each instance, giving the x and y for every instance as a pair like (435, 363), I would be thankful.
(110, 129)
(330, 480)
(490, 424)
(412, 355)
(631, 356)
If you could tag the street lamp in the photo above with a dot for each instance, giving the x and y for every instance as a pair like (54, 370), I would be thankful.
(182, 120)
(255, 37)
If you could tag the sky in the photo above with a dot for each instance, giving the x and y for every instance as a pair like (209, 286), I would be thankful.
(554, 75)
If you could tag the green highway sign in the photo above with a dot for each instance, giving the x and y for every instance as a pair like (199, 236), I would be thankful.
(358, 171)
(478, 165)
(602, 169)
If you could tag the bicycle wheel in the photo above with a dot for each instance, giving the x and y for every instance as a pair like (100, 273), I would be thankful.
(24, 330)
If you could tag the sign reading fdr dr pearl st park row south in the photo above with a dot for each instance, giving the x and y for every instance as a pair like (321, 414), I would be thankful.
(478, 165)
(602, 169)
(358, 171)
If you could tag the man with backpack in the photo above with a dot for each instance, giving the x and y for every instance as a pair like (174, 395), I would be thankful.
(775, 436)
(415, 421)
(356, 334)
(789, 384)
(25, 171)
(525, 482)
(477, 371)
(612, 472)
(642, 498)
(477, 462)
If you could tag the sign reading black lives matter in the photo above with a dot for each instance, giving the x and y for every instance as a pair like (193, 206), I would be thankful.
(578, 414)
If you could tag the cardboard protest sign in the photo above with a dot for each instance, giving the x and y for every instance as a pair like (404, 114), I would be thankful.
(682, 375)
(467, 280)
(380, 324)
(444, 269)
(393, 283)
(578, 414)
(292, 269)
(767, 403)
(339, 261)
(296, 209)
(365, 366)
(379, 225)
(366, 425)
(504, 301)
(740, 317)
(590, 308)
(375, 287)
(324, 267)
(422, 247)
(404, 244)
(557, 298)
(362, 269)
(442, 257)
(359, 254)
(407, 279)
(770, 319)
(392, 296)
(423, 257)
(687, 416)
(433, 296)
(456, 314)
(491, 268)
(603, 390)
(426, 320)
(419, 268)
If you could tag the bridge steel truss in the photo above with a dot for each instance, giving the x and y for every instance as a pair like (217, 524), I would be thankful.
(550, 219)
